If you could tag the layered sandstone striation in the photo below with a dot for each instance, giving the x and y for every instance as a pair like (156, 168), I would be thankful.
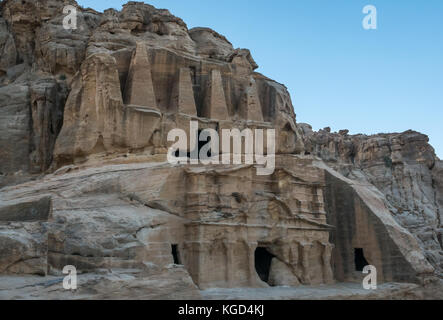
(84, 120)
(402, 166)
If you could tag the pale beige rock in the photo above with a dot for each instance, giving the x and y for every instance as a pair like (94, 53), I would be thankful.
(121, 284)
(402, 166)
(23, 248)
(363, 221)
(84, 120)
(243, 58)
(95, 126)
(282, 275)
(215, 105)
(139, 89)
(339, 291)
(99, 220)
(211, 44)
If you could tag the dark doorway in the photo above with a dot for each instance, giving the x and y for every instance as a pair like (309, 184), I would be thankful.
(175, 254)
(193, 71)
(200, 144)
(190, 154)
(263, 261)
(360, 260)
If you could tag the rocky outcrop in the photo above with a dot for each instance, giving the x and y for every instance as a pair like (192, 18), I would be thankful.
(124, 284)
(402, 166)
(84, 122)
(223, 85)
(31, 114)
(363, 221)
(210, 44)
(8, 57)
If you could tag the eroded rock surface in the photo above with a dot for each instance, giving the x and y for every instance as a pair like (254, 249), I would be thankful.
(84, 120)
(403, 166)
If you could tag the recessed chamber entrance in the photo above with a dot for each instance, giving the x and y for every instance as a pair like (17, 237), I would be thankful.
(360, 260)
(263, 259)
(175, 254)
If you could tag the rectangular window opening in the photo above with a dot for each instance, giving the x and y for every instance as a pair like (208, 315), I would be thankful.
(176, 254)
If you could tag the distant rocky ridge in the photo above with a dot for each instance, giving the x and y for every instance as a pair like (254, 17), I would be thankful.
(403, 166)
(84, 117)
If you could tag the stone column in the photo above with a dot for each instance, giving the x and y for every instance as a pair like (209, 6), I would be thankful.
(229, 246)
(328, 276)
(251, 258)
(293, 254)
(294, 260)
(202, 249)
(305, 250)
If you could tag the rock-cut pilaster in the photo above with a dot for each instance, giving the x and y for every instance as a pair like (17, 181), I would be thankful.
(251, 107)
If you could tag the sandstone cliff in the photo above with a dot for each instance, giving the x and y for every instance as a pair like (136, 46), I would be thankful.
(403, 166)
(84, 119)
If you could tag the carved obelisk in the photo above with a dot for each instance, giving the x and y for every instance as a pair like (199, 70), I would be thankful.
(139, 91)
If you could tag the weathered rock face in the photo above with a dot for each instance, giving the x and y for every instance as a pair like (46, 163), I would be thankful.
(152, 90)
(7, 48)
(36, 26)
(403, 166)
(31, 116)
(84, 122)
(138, 67)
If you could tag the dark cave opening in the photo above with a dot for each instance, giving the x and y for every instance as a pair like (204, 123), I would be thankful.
(176, 254)
(263, 259)
(360, 260)
(200, 145)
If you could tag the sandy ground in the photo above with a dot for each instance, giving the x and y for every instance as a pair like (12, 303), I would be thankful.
(127, 285)
(337, 291)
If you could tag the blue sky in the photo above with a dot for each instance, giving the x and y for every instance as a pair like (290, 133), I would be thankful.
(339, 75)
